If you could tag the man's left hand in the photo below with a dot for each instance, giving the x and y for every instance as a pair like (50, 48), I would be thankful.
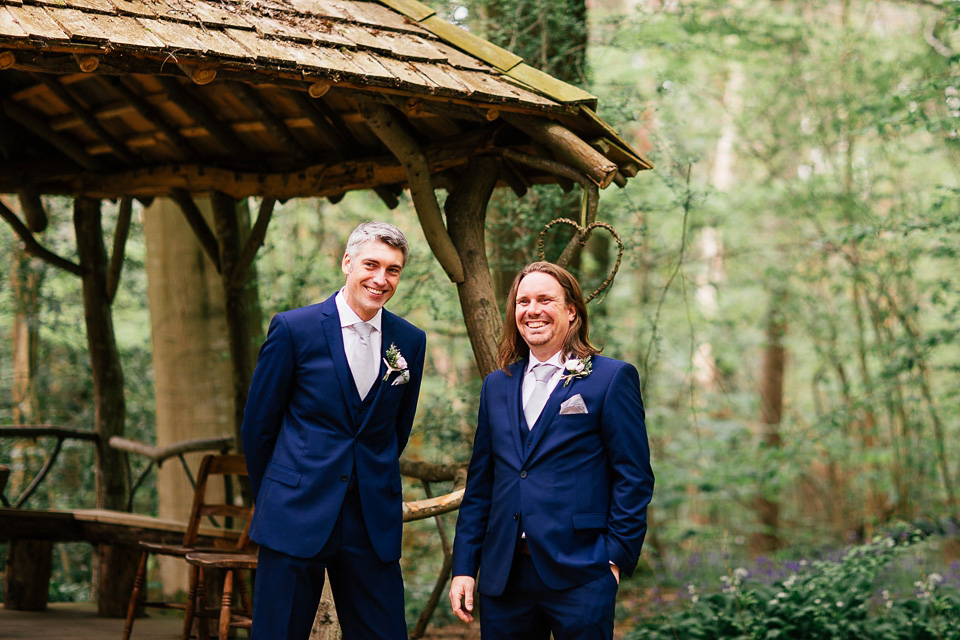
(616, 572)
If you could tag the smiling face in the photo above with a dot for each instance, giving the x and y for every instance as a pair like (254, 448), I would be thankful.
(373, 273)
(542, 313)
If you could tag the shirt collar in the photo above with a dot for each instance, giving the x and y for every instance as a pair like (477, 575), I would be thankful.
(556, 360)
(348, 316)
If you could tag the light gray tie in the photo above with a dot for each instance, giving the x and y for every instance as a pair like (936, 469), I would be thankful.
(363, 364)
(541, 392)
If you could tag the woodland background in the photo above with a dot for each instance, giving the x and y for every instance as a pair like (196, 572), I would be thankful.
(788, 289)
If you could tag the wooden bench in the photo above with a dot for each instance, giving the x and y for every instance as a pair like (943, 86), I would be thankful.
(31, 534)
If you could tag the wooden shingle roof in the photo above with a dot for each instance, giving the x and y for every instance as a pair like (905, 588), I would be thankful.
(105, 97)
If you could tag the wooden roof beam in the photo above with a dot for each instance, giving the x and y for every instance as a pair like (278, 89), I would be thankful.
(121, 150)
(567, 147)
(321, 180)
(388, 128)
(203, 116)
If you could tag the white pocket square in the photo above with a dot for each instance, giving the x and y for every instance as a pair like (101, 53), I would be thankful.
(573, 405)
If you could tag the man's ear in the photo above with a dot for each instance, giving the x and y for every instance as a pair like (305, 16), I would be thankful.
(345, 264)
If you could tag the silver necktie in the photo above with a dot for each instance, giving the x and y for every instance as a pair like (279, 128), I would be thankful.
(541, 392)
(363, 364)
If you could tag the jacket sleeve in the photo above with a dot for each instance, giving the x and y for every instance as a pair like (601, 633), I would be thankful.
(477, 497)
(408, 405)
(267, 400)
(624, 436)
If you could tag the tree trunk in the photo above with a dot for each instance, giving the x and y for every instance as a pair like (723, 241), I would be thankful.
(241, 299)
(191, 356)
(112, 580)
(466, 214)
(768, 539)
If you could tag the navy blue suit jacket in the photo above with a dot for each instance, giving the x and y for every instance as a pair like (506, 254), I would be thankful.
(302, 441)
(580, 486)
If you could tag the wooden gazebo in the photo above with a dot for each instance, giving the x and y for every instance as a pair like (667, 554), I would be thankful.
(122, 99)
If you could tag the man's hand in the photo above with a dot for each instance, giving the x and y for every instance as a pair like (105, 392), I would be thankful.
(461, 590)
(616, 572)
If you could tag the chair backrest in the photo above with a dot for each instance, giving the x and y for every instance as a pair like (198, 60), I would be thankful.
(224, 465)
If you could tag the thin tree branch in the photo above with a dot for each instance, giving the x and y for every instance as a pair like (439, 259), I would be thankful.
(199, 225)
(33, 247)
(119, 246)
(254, 241)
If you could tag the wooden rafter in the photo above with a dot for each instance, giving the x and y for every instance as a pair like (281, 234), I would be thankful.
(153, 115)
(63, 94)
(39, 128)
(274, 124)
(203, 116)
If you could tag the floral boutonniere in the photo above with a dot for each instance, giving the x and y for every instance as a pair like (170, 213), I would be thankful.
(396, 363)
(576, 368)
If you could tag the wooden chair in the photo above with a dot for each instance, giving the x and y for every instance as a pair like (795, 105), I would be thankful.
(211, 465)
(231, 565)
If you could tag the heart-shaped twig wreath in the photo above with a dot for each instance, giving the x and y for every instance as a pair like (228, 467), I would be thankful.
(583, 233)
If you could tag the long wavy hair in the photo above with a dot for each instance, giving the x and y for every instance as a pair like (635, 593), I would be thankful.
(512, 347)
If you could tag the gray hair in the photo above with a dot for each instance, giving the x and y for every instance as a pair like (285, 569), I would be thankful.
(381, 231)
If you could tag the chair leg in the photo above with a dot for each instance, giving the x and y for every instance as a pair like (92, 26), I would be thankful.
(203, 619)
(138, 583)
(188, 613)
(225, 605)
(244, 595)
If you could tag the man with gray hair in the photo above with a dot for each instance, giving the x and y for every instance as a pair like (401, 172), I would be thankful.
(330, 409)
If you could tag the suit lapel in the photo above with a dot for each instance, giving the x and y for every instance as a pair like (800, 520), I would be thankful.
(331, 327)
(547, 417)
(513, 402)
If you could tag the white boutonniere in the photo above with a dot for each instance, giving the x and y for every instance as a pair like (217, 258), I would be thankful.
(396, 363)
(576, 368)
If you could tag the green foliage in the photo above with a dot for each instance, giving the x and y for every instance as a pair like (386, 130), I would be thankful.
(823, 599)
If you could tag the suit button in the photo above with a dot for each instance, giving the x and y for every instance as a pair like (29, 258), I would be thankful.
(523, 474)
(516, 516)
(343, 478)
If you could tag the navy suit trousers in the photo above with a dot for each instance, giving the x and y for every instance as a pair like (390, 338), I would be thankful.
(367, 591)
(530, 610)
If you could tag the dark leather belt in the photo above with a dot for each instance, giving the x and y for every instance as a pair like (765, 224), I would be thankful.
(522, 547)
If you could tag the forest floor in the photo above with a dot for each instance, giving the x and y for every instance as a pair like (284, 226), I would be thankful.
(79, 621)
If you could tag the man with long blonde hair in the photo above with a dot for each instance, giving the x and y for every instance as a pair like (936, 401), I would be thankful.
(558, 486)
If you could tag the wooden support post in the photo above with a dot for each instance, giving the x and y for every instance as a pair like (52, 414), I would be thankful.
(115, 572)
(32, 207)
(114, 576)
(237, 278)
(390, 131)
(466, 209)
(27, 575)
(105, 366)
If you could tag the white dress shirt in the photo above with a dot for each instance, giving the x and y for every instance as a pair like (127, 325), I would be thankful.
(351, 339)
(530, 381)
